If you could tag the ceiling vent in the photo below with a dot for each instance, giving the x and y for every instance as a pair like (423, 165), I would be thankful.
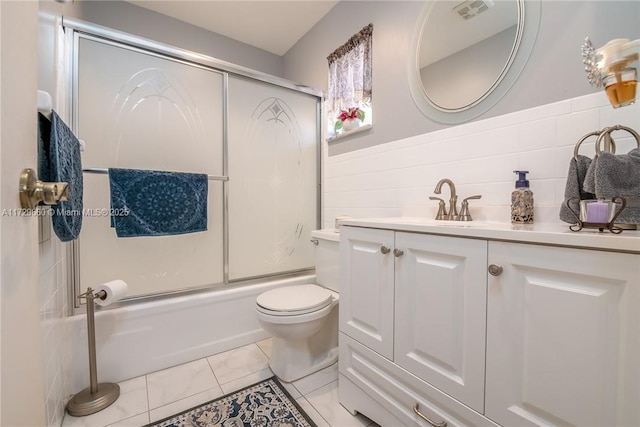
(471, 8)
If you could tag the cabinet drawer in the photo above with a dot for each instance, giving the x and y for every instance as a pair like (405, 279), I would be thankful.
(398, 391)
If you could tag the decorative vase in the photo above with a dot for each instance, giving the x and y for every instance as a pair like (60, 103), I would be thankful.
(351, 124)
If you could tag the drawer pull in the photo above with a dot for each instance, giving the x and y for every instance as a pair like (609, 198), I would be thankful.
(398, 252)
(495, 270)
(385, 250)
(421, 415)
(315, 241)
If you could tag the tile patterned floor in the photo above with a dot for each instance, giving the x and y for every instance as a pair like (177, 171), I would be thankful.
(160, 394)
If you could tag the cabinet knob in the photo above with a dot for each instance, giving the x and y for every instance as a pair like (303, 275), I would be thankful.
(398, 252)
(385, 250)
(495, 270)
(424, 417)
(315, 241)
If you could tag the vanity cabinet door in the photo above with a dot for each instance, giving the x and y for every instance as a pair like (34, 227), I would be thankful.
(366, 287)
(563, 337)
(440, 318)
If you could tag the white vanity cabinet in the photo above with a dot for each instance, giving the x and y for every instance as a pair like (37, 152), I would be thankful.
(472, 331)
(419, 301)
(563, 336)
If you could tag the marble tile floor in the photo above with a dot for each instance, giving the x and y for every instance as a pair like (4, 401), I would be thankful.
(160, 394)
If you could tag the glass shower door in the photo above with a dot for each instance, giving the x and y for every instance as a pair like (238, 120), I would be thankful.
(140, 110)
(139, 106)
(273, 178)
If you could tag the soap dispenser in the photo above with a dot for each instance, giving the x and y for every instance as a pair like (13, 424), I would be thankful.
(522, 200)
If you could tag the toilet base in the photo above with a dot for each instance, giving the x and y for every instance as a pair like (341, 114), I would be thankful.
(295, 360)
(302, 344)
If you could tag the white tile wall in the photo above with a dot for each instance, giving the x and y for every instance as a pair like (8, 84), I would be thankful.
(53, 309)
(54, 306)
(397, 178)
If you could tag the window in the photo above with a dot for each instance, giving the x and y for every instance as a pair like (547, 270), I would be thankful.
(350, 84)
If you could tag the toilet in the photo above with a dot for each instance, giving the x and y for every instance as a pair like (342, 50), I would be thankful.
(303, 319)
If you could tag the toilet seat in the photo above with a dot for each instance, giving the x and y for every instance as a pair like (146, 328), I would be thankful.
(294, 300)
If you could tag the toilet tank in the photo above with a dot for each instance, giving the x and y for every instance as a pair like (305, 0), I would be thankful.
(327, 253)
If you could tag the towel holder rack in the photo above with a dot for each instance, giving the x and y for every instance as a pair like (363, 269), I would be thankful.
(607, 132)
(105, 171)
(45, 107)
(45, 104)
(610, 144)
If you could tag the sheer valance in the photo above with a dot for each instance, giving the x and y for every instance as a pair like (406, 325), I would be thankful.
(350, 76)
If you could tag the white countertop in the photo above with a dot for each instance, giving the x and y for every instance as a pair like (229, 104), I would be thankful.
(327, 234)
(557, 234)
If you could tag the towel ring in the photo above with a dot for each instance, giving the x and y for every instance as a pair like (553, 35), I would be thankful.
(607, 131)
(594, 133)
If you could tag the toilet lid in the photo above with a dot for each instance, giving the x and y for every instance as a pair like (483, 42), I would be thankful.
(298, 299)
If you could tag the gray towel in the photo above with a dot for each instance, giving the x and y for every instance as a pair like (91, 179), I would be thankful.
(617, 175)
(575, 187)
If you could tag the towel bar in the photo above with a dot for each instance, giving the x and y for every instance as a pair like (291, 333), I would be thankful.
(45, 104)
(610, 144)
(104, 171)
(608, 130)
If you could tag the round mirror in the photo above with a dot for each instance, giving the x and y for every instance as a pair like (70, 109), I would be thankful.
(468, 54)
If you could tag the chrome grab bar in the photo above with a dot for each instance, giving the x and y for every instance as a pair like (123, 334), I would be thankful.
(104, 171)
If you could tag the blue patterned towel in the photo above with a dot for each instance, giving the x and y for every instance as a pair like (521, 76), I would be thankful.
(157, 203)
(59, 161)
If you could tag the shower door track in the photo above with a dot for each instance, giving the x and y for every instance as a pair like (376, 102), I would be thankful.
(81, 29)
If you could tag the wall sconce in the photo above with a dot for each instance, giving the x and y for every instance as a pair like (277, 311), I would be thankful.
(611, 67)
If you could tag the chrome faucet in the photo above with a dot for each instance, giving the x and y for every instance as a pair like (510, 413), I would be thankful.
(452, 214)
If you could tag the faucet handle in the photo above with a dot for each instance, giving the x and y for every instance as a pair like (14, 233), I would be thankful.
(464, 209)
(442, 210)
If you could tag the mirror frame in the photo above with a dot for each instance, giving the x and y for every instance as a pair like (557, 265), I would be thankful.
(529, 12)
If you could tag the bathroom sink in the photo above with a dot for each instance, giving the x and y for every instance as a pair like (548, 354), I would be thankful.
(464, 224)
(437, 223)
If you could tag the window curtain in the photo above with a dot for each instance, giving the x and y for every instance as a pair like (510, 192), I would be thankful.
(350, 75)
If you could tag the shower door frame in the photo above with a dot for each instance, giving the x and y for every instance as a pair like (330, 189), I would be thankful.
(76, 29)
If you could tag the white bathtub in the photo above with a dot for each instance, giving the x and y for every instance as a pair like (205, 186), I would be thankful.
(139, 338)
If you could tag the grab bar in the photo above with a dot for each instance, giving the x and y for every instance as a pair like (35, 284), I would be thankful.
(104, 171)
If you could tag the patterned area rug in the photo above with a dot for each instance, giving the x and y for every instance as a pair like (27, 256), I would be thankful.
(265, 404)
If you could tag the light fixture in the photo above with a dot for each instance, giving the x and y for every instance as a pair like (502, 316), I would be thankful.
(472, 8)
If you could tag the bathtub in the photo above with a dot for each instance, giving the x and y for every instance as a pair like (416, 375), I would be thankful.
(138, 338)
